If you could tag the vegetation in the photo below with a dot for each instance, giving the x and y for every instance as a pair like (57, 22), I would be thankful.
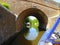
(5, 5)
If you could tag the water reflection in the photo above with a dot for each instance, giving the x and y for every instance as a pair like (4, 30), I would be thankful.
(32, 34)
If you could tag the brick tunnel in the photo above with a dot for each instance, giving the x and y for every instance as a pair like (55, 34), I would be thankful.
(10, 28)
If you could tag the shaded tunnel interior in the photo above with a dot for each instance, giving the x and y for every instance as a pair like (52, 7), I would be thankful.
(43, 20)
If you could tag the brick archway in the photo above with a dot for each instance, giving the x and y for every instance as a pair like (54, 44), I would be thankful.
(32, 12)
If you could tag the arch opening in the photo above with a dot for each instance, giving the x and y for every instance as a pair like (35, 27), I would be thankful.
(32, 12)
(30, 27)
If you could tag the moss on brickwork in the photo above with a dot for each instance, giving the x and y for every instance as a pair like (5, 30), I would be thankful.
(5, 5)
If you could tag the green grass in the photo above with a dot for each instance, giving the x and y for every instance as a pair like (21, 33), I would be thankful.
(34, 23)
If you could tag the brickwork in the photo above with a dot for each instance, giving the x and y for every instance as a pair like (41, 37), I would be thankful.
(7, 24)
